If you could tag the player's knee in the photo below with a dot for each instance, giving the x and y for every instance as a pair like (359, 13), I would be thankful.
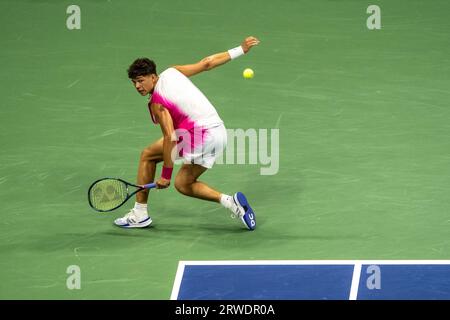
(144, 155)
(151, 154)
(148, 155)
(181, 185)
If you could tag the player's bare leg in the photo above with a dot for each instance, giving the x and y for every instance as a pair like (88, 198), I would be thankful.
(186, 183)
(138, 216)
(150, 156)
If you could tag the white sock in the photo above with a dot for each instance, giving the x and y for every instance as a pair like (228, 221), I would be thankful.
(141, 207)
(226, 201)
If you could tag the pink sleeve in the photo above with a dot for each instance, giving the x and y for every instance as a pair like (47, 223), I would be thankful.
(157, 99)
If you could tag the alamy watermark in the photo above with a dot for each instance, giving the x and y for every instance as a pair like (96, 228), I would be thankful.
(374, 280)
(73, 21)
(374, 20)
(74, 279)
(250, 146)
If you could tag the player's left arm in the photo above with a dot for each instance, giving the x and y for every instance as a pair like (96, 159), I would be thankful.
(162, 116)
(215, 60)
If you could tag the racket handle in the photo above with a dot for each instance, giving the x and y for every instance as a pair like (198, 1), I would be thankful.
(149, 186)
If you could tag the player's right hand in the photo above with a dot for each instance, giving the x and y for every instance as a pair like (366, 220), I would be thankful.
(162, 183)
(248, 43)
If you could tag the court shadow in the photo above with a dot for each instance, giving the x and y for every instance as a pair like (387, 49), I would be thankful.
(218, 232)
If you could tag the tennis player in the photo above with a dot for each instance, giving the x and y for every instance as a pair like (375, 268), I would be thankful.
(191, 130)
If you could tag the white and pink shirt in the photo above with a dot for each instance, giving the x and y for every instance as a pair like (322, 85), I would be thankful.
(186, 104)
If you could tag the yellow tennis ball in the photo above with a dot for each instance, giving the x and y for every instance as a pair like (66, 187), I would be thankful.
(248, 73)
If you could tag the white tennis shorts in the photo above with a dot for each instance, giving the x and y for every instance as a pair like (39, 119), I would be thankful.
(214, 143)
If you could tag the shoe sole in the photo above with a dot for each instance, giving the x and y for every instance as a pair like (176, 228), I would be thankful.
(142, 224)
(249, 218)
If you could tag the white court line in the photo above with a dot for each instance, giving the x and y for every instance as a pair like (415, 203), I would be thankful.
(356, 271)
(73, 83)
(310, 262)
(355, 281)
(177, 282)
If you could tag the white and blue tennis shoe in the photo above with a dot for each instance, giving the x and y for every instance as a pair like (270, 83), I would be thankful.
(134, 219)
(241, 209)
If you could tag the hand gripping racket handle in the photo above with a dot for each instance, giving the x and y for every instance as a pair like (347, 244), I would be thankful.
(149, 186)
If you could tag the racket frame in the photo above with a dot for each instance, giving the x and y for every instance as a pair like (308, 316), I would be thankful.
(127, 184)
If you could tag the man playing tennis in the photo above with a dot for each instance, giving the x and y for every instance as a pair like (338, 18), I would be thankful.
(191, 127)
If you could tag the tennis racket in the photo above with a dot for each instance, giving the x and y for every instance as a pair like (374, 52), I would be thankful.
(108, 194)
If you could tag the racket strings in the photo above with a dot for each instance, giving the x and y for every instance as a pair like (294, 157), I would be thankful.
(108, 194)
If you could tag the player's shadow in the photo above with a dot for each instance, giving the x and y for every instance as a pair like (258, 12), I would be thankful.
(217, 235)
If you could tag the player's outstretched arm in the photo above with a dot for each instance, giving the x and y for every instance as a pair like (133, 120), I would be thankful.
(218, 59)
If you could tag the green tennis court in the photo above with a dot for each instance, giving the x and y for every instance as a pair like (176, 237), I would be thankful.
(363, 118)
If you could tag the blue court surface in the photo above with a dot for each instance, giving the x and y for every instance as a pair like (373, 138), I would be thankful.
(313, 280)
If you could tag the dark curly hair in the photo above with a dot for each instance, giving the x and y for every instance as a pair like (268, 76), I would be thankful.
(141, 67)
